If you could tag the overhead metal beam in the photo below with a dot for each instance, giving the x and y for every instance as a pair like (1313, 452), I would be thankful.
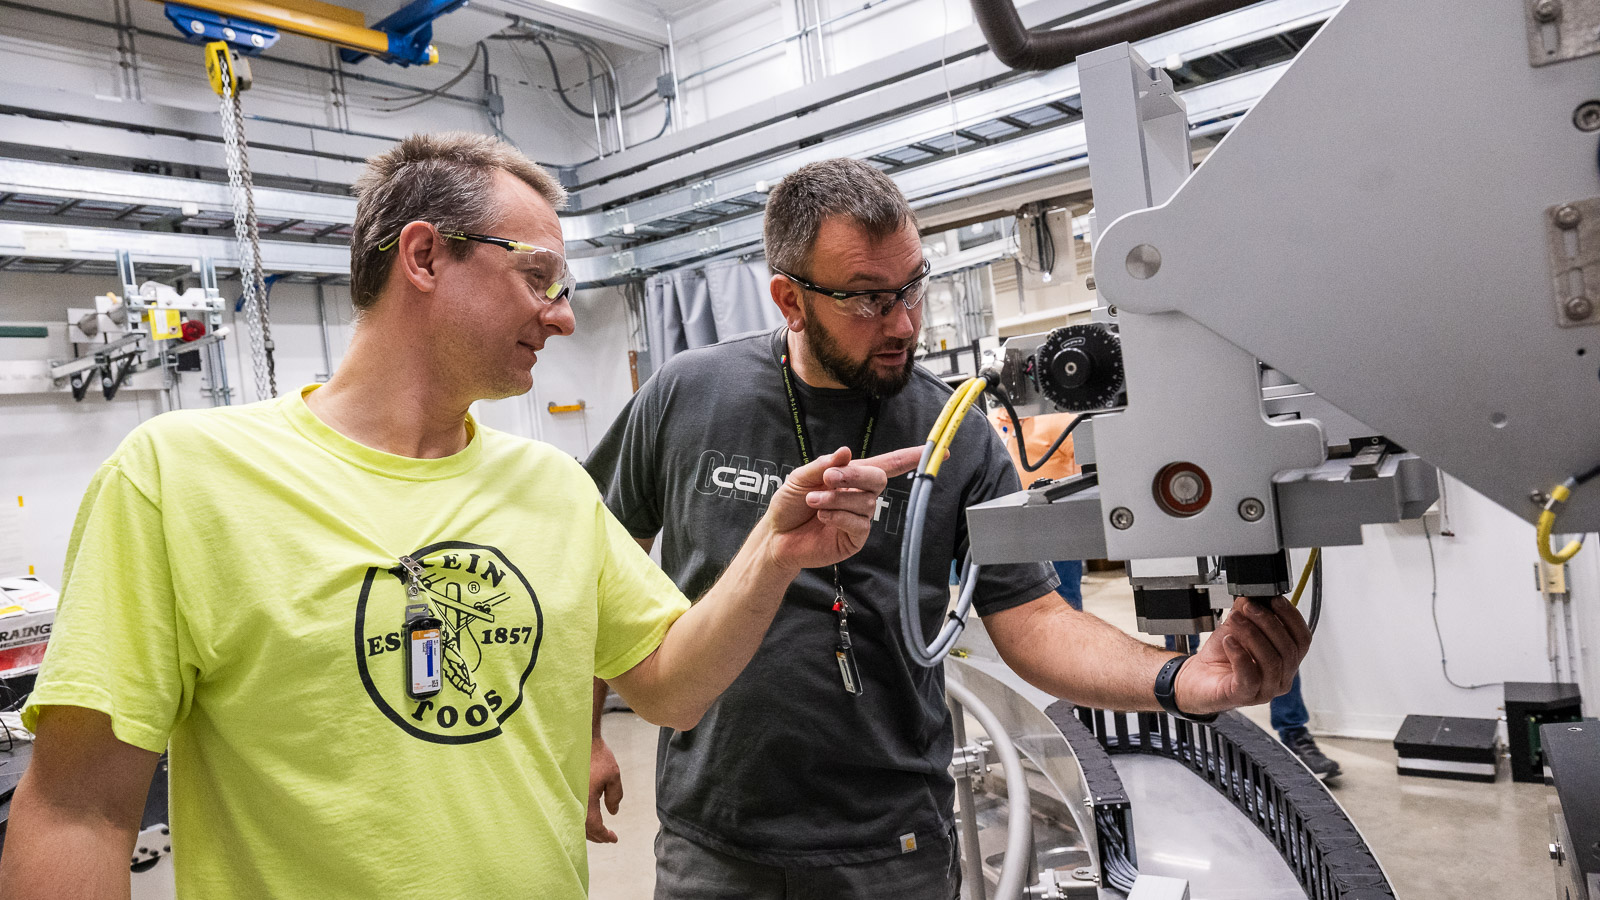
(109, 140)
(1058, 153)
(33, 99)
(1000, 102)
(85, 183)
(72, 242)
(900, 102)
(823, 93)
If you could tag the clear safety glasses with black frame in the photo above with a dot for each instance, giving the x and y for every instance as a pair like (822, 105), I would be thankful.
(874, 302)
(549, 274)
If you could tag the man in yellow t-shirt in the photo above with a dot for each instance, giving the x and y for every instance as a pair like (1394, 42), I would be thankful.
(367, 626)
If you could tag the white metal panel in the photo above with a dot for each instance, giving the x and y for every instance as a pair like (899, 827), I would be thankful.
(1362, 231)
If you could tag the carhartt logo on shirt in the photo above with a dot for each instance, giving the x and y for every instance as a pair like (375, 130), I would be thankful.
(908, 843)
(755, 480)
(488, 645)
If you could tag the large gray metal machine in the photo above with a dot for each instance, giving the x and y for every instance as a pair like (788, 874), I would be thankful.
(1418, 278)
(1367, 278)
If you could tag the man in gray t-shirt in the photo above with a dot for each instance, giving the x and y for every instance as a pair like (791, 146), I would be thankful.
(800, 781)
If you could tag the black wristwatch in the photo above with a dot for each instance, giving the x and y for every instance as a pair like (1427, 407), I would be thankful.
(1167, 696)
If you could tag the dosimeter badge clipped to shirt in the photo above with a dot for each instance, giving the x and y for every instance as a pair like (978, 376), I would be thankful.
(423, 635)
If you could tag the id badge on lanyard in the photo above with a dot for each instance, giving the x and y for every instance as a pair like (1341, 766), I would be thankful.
(844, 654)
(423, 635)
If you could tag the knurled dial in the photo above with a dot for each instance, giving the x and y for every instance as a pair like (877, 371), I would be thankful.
(1079, 367)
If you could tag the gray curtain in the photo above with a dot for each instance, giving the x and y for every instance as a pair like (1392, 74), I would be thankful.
(694, 307)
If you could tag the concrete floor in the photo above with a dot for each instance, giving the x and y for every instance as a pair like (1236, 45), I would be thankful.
(1438, 839)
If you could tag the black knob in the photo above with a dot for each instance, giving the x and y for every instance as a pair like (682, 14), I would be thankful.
(1071, 368)
(1079, 368)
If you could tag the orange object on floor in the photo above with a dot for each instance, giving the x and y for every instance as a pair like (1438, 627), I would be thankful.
(1038, 433)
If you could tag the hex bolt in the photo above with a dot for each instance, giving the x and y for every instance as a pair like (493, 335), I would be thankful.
(1539, 498)
(1122, 518)
(1251, 509)
(1547, 11)
(1568, 217)
(1579, 308)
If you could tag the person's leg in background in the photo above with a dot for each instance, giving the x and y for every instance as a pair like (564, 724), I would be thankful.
(1070, 572)
(1289, 719)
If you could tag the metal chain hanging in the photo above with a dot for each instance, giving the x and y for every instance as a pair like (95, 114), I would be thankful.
(229, 84)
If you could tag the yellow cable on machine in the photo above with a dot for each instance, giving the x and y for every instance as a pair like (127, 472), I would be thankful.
(1547, 525)
(1552, 508)
(944, 431)
(1305, 576)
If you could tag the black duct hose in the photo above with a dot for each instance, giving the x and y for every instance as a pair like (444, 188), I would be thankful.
(1038, 51)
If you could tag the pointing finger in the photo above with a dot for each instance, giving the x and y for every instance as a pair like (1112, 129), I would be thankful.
(810, 475)
(896, 462)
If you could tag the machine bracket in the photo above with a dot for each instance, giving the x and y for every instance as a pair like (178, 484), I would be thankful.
(971, 761)
(1572, 231)
(1561, 30)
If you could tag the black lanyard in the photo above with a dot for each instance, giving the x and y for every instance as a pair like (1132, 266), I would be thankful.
(843, 650)
(798, 414)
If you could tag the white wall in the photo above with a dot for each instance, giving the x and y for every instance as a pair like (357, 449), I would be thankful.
(1376, 657)
(50, 446)
(591, 365)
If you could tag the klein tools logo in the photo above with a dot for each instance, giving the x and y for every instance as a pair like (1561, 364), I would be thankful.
(489, 643)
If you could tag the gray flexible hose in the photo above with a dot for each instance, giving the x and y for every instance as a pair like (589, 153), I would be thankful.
(925, 654)
(1019, 863)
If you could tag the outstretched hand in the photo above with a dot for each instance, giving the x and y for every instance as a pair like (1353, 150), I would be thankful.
(823, 512)
(1251, 658)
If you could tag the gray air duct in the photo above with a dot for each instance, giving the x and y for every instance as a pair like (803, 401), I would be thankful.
(1038, 51)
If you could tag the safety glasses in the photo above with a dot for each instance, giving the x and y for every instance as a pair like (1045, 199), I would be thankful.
(869, 304)
(548, 272)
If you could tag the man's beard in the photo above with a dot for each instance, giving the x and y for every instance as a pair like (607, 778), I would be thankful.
(850, 373)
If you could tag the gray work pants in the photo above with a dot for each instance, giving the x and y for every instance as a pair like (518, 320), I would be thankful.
(687, 871)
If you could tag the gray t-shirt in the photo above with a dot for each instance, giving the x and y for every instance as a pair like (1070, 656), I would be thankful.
(787, 768)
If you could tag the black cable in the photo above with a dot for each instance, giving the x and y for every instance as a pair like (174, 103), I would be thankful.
(423, 96)
(640, 102)
(1047, 241)
(1434, 605)
(1588, 476)
(665, 121)
(1316, 595)
(491, 88)
(1016, 427)
(561, 90)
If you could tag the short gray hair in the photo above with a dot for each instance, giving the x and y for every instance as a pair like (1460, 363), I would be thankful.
(446, 178)
(832, 187)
